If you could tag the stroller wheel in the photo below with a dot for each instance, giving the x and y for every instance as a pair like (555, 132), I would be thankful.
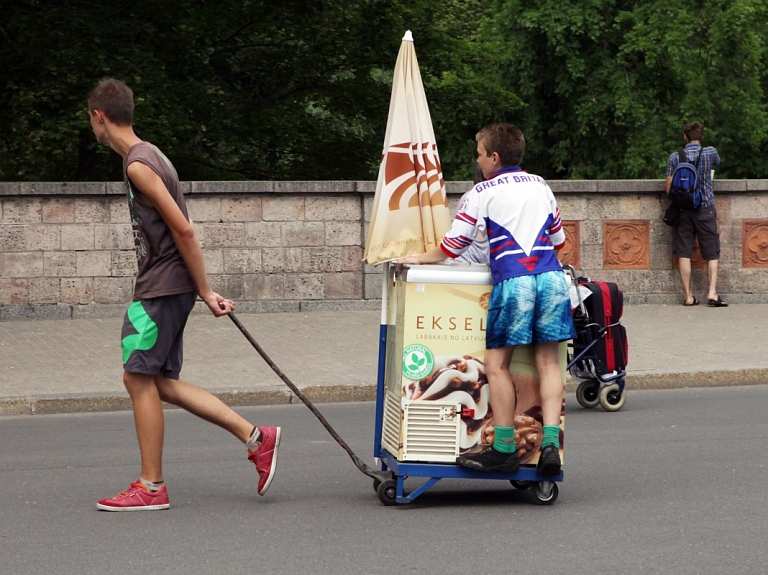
(588, 393)
(611, 399)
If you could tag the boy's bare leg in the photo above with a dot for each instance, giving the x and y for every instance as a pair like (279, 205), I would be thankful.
(150, 425)
(547, 359)
(503, 396)
(203, 404)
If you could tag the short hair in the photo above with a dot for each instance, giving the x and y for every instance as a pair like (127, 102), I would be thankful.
(506, 140)
(694, 131)
(114, 99)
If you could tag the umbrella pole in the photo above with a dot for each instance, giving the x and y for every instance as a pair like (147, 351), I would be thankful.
(380, 383)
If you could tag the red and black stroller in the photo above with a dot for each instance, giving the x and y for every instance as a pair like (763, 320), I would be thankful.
(598, 354)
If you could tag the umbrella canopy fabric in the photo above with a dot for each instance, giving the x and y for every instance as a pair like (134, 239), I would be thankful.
(410, 209)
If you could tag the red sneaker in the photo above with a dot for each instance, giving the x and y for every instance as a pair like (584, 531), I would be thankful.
(137, 498)
(265, 457)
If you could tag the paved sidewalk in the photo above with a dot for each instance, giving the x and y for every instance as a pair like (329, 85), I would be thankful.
(64, 366)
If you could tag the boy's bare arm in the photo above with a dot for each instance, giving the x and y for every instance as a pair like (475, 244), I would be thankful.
(154, 192)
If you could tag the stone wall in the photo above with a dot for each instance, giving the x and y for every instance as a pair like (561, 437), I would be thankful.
(66, 248)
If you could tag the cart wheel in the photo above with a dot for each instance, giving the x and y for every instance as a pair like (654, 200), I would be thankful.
(545, 493)
(518, 484)
(611, 399)
(588, 393)
(376, 483)
(387, 492)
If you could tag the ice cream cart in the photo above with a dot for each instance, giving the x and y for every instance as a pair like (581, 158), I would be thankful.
(432, 395)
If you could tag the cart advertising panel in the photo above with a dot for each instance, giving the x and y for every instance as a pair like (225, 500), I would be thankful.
(437, 392)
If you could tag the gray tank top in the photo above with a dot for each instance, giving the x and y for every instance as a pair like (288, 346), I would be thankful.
(162, 270)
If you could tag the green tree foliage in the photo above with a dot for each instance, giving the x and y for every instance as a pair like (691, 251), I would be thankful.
(609, 84)
(297, 89)
(300, 89)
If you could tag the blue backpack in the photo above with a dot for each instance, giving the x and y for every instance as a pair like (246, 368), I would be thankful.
(685, 191)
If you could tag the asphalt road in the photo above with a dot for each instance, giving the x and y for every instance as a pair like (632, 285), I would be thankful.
(675, 483)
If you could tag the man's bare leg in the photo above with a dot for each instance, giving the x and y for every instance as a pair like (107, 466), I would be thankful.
(685, 278)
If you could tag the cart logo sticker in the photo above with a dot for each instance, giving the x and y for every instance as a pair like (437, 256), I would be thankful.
(418, 361)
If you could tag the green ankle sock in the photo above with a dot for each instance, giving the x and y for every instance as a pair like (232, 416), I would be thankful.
(551, 436)
(505, 440)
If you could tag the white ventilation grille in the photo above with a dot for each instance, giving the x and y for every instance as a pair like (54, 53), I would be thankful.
(431, 431)
(390, 433)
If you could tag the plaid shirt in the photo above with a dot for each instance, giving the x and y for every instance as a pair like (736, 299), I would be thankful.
(709, 159)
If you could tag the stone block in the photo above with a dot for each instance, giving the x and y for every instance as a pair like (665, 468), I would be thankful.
(60, 264)
(77, 290)
(372, 285)
(321, 260)
(113, 290)
(41, 238)
(241, 209)
(282, 209)
(224, 235)
(304, 286)
(94, 263)
(368, 208)
(343, 234)
(315, 187)
(92, 210)
(234, 187)
(303, 234)
(58, 210)
(572, 186)
(333, 208)
(603, 207)
(263, 234)
(13, 292)
(751, 207)
(204, 209)
(572, 207)
(23, 265)
(264, 287)
(230, 286)
(44, 290)
(77, 237)
(116, 189)
(352, 258)
(242, 261)
(118, 211)
(22, 211)
(591, 232)
(343, 285)
(630, 208)
(35, 312)
(273, 260)
(12, 238)
(214, 261)
(113, 237)
(124, 263)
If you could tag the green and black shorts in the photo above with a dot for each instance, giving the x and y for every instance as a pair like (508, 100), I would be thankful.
(152, 335)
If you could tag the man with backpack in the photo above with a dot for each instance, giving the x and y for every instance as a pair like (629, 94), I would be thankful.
(689, 184)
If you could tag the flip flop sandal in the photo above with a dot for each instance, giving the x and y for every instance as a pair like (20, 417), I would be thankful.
(716, 302)
(695, 302)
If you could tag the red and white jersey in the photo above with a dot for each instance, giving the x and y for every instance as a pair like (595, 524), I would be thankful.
(522, 221)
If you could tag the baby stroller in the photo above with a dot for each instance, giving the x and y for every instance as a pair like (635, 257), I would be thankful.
(599, 352)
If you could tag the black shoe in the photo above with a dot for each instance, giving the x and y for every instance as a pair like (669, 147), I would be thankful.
(491, 460)
(549, 461)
